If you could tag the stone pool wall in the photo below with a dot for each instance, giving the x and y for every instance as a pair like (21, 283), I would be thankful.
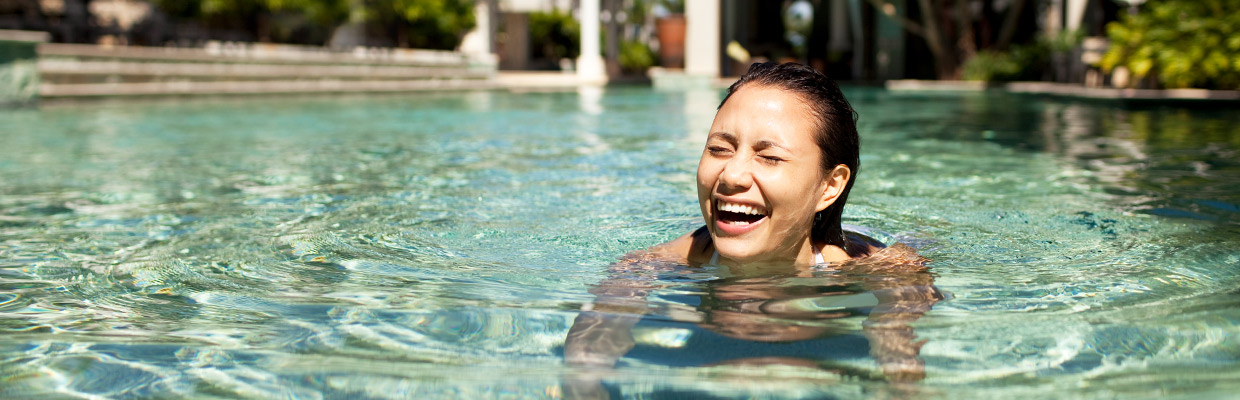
(19, 75)
(85, 71)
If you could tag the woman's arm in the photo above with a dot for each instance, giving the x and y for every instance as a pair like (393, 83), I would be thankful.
(601, 334)
(905, 290)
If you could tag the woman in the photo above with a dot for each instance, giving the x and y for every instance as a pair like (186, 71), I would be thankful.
(780, 159)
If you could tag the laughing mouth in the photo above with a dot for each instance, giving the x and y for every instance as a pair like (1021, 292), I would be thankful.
(738, 214)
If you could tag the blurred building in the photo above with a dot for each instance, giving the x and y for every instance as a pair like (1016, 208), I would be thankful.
(848, 39)
(117, 17)
(75, 21)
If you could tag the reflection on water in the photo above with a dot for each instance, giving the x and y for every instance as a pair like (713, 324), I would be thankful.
(441, 246)
(852, 319)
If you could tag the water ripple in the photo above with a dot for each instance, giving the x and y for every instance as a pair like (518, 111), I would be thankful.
(430, 246)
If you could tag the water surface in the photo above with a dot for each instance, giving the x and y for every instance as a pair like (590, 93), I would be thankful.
(440, 245)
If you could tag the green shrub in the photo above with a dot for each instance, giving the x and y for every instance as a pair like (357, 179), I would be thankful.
(636, 57)
(433, 24)
(1063, 42)
(555, 35)
(1184, 43)
(437, 24)
(673, 6)
(1025, 62)
(990, 66)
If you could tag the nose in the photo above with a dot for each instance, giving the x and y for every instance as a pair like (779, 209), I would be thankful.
(736, 176)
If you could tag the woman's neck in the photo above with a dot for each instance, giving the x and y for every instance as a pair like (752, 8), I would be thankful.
(808, 254)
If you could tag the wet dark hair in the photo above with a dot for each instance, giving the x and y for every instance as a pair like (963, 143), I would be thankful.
(836, 134)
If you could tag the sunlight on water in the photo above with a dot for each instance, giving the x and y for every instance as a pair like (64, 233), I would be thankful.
(441, 245)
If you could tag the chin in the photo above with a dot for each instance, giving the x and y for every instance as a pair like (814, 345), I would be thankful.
(737, 249)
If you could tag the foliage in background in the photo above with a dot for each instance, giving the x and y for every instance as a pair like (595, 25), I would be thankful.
(949, 29)
(636, 57)
(427, 24)
(992, 66)
(672, 6)
(240, 15)
(436, 24)
(638, 10)
(1021, 62)
(1064, 42)
(251, 14)
(303, 21)
(555, 35)
(1184, 43)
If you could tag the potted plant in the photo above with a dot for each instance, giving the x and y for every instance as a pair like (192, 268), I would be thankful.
(670, 28)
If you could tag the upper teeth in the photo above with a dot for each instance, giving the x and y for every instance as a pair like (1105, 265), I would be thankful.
(739, 208)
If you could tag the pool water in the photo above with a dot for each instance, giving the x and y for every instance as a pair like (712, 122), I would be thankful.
(441, 246)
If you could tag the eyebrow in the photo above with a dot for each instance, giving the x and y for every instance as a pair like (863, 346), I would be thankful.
(761, 145)
(766, 144)
(725, 136)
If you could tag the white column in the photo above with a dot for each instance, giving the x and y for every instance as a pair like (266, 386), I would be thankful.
(839, 26)
(479, 43)
(854, 24)
(1054, 18)
(590, 68)
(702, 38)
(1076, 13)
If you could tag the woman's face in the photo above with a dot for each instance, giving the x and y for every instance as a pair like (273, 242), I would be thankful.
(760, 180)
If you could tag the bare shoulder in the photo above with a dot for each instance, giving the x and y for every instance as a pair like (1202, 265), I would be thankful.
(693, 248)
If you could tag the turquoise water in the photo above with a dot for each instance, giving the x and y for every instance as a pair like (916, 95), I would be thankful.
(441, 245)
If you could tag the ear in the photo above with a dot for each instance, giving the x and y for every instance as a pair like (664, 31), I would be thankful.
(833, 186)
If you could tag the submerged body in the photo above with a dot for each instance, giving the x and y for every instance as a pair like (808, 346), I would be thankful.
(780, 159)
(830, 317)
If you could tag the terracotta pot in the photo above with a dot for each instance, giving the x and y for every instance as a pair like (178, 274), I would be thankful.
(671, 32)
